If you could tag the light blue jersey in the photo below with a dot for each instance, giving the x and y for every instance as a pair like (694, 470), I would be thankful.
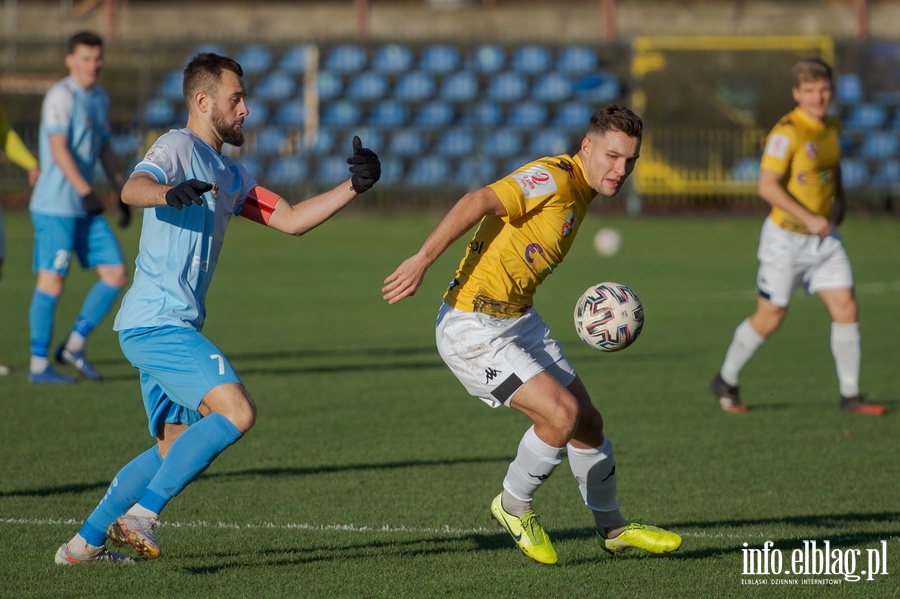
(82, 116)
(179, 249)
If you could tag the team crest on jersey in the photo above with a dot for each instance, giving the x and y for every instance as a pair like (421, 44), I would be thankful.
(535, 181)
(812, 150)
(569, 225)
(778, 145)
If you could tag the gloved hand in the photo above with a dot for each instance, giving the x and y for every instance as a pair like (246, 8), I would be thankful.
(124, 214)
(91, 203)
(186, 193)
(365, 166)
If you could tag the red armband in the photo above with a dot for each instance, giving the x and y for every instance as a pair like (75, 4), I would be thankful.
(260, 205)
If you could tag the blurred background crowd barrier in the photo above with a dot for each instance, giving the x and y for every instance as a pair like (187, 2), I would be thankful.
(455, 94)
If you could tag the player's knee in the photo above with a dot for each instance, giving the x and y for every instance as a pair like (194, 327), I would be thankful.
(243, 415)
(563, 415)
(116, 277)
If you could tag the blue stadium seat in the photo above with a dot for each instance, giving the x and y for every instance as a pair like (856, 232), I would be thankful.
(392, 58)
(887, 175)
(461, 86)
(880, 145)
(848, 89)
(414, 86)
(436, 113)
(552, 87)
(332, 170)
(274, 86)
(439, 58)
(294, 60)
(389, 113)
(367, 86)
(528, 114)
(406, 142)
(577, 59)
(531, 58)
(574, 115)
(341, 113)
(371, 138)
(345, 58)
(259, 112)
(745, 170)
(287, 170)
(159, 112)
(502, 142)
(253, 164)
(515, 163)
(484, 114)
(476, 171)
(487, 58)
(552, 142)
(392, 170)
(329, 85)
(126, 142)
(290, 114)
(272, 140)
(430, 170)
(254, 58)
(866, 116)
(457, 141)
(600, 87)
(507, 87)
(171, 87)
(854, 173)
(324, 143)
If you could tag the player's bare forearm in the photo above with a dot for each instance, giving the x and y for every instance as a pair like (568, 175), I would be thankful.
(59, 150)
(309, 214)
(771, 190)
(142, 190)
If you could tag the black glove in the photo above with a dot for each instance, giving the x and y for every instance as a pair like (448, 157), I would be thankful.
(365, 166)
(124, 215)
(91, 203)
(186, 193)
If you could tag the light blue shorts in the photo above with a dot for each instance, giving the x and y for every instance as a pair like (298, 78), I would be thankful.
(178, 367)
(90, 237)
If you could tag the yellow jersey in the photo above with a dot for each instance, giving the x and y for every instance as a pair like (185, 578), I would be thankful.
(509, 256)
(806, 152)
(13, 147)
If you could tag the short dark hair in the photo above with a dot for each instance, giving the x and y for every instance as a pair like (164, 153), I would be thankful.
(809, 70)
(84, 38)
(204, 71)
(615, 117)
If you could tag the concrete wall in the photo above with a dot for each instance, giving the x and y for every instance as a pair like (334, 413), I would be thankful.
(547, 21)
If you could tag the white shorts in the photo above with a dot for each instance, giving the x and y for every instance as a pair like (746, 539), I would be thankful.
(493, 357)
(789, 260)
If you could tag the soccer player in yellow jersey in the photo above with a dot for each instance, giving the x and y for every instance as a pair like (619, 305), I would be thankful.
(800, 177)
(497, 345)
(16, 151)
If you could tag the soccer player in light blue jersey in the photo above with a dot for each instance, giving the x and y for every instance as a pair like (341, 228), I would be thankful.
(195, 402)
(67, 214)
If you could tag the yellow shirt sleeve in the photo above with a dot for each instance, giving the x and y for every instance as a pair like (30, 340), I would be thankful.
(13, 146)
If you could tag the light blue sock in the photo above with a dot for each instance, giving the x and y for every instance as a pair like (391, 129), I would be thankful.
(189, 456)
(96, 306)
(124, 491)
(40, 317)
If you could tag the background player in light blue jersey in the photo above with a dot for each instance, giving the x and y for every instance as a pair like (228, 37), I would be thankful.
(67, 214)
(195, 402)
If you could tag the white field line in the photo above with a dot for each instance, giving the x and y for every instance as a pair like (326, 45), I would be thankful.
(353, 528)
(873, 288)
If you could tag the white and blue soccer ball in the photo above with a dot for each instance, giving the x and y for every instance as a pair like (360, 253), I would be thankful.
(609, 316)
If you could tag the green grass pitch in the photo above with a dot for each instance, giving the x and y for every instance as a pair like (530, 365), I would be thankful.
(370, 471)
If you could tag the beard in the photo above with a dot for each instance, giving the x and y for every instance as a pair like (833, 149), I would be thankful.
(226, 131)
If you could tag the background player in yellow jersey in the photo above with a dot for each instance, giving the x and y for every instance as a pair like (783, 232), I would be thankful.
(497, 345)
(16, 151)
(800, 177)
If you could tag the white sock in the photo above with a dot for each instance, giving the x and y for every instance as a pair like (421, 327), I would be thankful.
(595, 471)
(39, 364)
(744, 344)
(139, 511)
(75, 343)
(845, 347)
(534, 463)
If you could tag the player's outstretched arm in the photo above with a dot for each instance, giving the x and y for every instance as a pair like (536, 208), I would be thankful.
(365, 170)
(142, 190)
(465, 214)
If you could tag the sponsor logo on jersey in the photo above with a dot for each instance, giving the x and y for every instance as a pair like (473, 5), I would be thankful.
(151, 153)
(812, 150)
(530, 250)
(535, 181)
(778, 145)
(814, 178)
(569, 225)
